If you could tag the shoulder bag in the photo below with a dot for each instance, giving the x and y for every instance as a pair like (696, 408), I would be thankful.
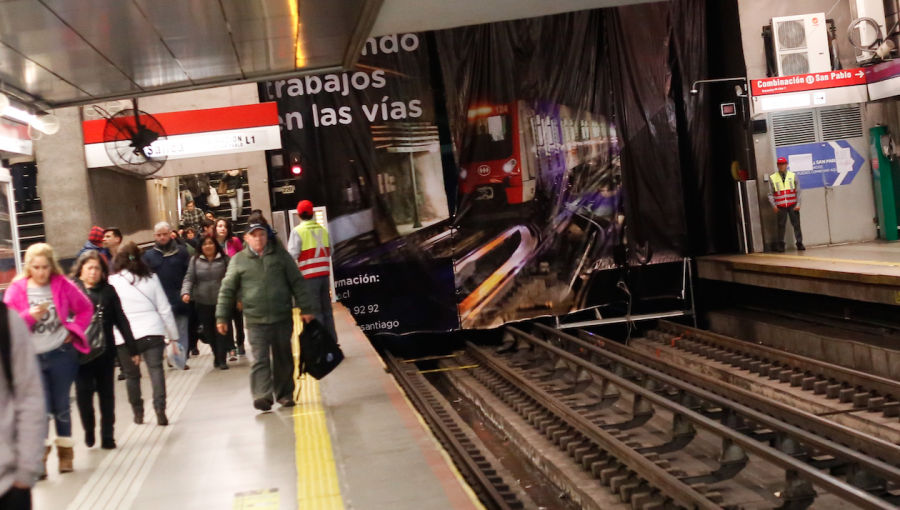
(213, 199)
(96, 338)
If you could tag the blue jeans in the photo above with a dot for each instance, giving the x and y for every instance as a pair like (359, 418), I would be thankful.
(183, 321)
(59, 368)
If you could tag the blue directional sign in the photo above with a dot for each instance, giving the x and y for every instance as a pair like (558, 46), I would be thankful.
(822, 164)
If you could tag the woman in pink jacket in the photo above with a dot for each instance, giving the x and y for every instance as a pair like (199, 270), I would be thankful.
(58, 314)
(232, 246)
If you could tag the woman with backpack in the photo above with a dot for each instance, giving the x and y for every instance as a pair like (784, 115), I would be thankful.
(58, 314)
(91, 274)
(202, 283)
(150, 314)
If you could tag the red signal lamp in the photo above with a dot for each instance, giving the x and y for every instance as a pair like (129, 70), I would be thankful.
(296, 170)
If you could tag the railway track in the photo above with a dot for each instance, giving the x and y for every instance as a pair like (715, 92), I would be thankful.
(490, 487)
(863, 391)
(565, 386)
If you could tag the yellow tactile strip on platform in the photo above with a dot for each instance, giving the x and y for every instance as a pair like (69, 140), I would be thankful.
(317, 478)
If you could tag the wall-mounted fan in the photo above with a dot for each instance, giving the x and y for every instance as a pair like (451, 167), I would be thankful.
(129, 136)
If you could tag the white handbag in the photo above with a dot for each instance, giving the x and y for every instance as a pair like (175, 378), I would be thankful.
(213, 200)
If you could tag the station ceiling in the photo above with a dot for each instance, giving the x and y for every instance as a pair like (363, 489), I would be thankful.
(57, 53)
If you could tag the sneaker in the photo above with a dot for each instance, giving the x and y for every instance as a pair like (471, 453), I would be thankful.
(161, 418)
(108, 443)
(263, 404)
(121, 376)
(286, 402)
(223, 366)
(187, 367)
(232, 356)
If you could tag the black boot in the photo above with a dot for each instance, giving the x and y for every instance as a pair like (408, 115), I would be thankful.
(89, 438)
(138, 415)
(161, 418)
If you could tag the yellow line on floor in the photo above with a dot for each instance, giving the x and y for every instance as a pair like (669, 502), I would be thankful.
(827, 259)
(318, 487)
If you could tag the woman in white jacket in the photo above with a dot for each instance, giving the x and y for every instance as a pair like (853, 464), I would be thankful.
(152, 322)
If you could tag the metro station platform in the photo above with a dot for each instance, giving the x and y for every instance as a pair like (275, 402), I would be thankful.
(868, 272)
(353, 441)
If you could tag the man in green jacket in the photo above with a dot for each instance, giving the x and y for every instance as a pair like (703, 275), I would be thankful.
(270, 286)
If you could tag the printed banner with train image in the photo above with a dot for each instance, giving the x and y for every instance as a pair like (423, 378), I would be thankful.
(477, 176)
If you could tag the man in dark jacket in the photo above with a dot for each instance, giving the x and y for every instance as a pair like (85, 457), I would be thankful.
(270, 286)
(198, 186)
(169, 260)
(95, 243)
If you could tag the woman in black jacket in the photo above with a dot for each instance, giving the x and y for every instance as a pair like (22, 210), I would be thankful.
(234, 181)
(90, 273)
(201, 285)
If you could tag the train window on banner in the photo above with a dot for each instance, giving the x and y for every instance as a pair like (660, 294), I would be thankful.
(490, 141)
(536, 132)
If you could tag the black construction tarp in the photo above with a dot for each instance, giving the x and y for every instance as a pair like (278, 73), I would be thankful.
(572, 150)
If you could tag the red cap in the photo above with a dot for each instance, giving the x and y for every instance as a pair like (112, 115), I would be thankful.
(304, 207)
(782, 160)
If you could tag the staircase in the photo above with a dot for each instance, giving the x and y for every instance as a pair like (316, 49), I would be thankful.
(224, 209)
(29, 213)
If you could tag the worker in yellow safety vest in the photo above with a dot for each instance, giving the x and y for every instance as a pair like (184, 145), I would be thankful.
(784, 195)
(311, 248)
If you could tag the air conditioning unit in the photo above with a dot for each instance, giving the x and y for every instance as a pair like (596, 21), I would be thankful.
(801, 44)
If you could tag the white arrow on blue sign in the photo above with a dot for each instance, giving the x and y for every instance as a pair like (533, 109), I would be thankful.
(822, 164)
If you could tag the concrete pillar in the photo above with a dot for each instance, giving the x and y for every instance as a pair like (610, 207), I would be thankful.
(63, 185)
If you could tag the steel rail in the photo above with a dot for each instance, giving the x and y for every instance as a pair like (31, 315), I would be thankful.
(460, 454)
(660, 479)
(833, 485)
(809, 429)
(855, 378)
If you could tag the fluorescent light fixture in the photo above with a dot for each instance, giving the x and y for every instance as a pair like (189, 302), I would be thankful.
(47, 124)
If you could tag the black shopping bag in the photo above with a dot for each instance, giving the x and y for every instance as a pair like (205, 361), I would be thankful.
(319, 351)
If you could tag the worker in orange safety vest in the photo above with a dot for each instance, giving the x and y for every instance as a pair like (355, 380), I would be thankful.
(310, 246)
(784, 195)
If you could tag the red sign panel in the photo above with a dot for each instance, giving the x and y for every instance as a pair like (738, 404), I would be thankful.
(200, 121)
(812, 81)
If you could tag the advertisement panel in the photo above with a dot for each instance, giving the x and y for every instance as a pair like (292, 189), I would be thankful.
(367, 147)
(471, 178)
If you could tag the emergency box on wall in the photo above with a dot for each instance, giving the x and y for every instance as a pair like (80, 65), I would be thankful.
(886, 179)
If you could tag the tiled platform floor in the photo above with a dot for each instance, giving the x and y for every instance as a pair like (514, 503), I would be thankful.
(219, 452)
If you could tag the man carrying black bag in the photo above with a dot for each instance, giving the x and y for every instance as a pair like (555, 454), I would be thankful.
(270, 285)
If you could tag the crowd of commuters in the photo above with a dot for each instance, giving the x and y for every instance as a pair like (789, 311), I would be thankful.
(121, 305)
